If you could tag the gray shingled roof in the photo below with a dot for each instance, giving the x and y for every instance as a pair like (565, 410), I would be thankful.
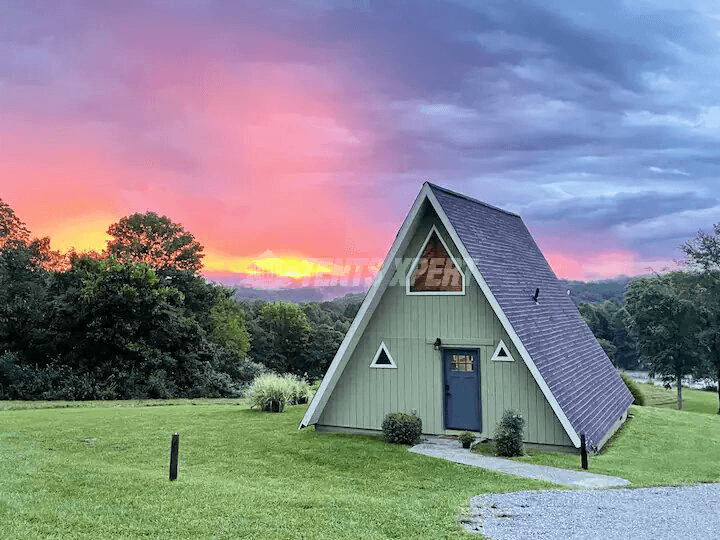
(567, 355)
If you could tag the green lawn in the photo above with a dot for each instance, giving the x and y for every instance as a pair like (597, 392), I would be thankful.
(693, 400)
(656, 446)
(14, 405)
(98, 471)
(102, 472)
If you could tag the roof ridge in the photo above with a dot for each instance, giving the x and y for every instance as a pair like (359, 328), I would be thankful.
(461, 196)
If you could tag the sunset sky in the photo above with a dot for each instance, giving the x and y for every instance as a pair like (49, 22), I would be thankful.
(301, 131)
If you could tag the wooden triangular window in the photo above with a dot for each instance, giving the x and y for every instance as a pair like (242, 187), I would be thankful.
(502, 353)
(435, 270)
(382, 358)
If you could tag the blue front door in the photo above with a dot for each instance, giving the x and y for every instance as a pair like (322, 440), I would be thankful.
(462, 389)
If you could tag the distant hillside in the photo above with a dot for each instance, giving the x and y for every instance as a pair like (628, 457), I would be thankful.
(592, 292)
(597, 292)
(300, 295)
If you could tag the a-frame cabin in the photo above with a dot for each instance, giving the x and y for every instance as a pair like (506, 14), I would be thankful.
(465, 320)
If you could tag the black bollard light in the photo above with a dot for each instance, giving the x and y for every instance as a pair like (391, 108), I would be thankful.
(583, 452)
(174, 447)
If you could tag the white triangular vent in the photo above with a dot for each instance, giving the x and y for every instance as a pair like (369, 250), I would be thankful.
(382, 358)
(502, 353)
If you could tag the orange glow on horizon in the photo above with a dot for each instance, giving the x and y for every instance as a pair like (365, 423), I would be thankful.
(267, 264)
(83, 233)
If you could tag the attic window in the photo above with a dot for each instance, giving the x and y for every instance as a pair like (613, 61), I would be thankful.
(502, 353)
(382, 358)
(435, 270)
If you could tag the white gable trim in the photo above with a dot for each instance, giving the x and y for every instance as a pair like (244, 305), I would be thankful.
(367, 308)
(413, 267)
(381, 348)
(503, 319)
(496, 355)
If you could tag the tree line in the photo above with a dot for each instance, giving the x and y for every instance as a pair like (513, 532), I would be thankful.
(139, 321)
(669, 323)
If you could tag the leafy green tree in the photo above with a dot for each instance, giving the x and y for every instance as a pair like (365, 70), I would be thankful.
(626, 354)
(325, 340)
(156, 241)
(609, 348)
(703, 251)
(289, 332)
(708, 302)
(608, 322)
(598, 319)
(13, 232)
(665, 321)
(23, 302)
(124, 327)
(228, 322)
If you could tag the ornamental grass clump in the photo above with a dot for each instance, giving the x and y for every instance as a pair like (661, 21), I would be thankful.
(509, 434)
(299, 390)
(402, 428)
(271, 392)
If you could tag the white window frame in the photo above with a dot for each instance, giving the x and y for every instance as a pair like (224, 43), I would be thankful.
(413, 267)
(508, 358)
(391, 365)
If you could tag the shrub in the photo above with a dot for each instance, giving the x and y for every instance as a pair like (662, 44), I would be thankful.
(634, 388)
(509, 434)
(9, 372)
(401, 428)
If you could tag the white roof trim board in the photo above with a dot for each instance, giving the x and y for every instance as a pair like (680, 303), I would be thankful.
(381, 348)
(414, 264)
(585, 342)
(498, 358)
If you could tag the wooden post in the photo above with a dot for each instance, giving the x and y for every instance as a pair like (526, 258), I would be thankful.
(174, 447)
(583, 452)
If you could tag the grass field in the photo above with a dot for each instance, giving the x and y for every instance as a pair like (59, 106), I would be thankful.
(656, 446)
(102, 472)
(693, 400)
(15, 405)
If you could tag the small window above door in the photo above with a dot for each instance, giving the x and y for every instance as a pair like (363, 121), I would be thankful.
(435, 270)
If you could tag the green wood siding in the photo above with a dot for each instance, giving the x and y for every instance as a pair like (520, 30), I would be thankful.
(406, 323)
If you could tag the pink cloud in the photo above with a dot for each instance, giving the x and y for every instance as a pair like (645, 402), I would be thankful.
(604, 265)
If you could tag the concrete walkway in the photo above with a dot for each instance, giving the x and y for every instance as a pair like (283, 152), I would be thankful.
(452, 450)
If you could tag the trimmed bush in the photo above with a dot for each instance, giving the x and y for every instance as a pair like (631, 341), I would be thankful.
(401, 428)
(634, 388)
(509, 434)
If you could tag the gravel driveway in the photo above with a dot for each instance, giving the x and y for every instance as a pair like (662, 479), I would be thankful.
(676, 513)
